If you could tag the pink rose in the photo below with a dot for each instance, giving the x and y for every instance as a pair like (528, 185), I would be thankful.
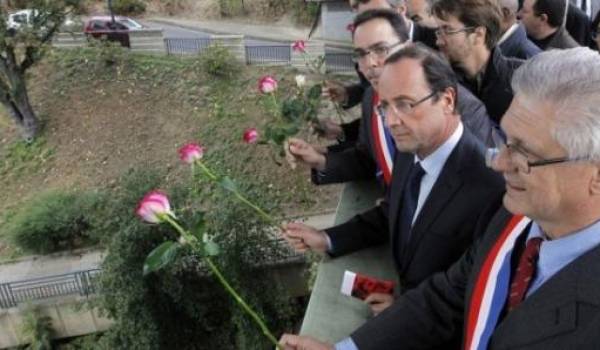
(267, 84)
(299, 46)
(250, 135)
(191, 152)
(153, 206)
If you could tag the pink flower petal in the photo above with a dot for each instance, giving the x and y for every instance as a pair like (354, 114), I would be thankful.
(251, 135)
(191, 152)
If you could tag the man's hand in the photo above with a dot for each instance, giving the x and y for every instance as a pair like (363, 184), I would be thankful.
(306, 153)
(379, 302)
(302, 238)
(297, 342)
(329, 129)
(334, 91)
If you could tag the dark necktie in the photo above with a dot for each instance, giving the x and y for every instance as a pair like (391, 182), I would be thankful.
(525, 272)
(409, 201)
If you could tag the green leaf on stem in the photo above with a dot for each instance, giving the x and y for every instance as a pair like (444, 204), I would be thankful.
(211, 248)
(160, 257)
(199, 227)
(228, 184)
(314, 93)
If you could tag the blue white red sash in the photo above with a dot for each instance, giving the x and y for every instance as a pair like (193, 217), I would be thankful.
(384, 144)
(492, 286)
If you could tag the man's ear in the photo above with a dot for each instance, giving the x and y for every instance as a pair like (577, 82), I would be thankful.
(448, 97)
(505, 12)
(595, 182)
(543, 17)
(402, 10)
(480, 34)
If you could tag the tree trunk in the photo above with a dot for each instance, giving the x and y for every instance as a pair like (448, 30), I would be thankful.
(20, 110)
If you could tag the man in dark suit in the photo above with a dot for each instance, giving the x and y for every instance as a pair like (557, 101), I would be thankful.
(468, 31)
(514, 41)
(578, 25)
(543, 21)
(360, 161)
(533, 280)
(440, 183)
(351, 95)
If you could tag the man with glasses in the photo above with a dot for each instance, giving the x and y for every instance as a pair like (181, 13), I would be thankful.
(350, 96)
(533, 280)
(381, 32)
(468, 31)
(439, 186)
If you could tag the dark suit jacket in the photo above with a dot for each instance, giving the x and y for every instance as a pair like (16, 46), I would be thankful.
(564, 313)
(561, 40)
(578, 25)
(517, 45)
(495, 91)
(358, 162)
(424, 35)
(445, 225)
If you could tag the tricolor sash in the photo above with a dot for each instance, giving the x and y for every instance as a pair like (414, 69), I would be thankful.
(492, 286)
(384, 144)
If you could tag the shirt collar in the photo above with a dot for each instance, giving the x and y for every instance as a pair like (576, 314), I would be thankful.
(555, 254)
(434, 163)
(508, 33)
(411, 30)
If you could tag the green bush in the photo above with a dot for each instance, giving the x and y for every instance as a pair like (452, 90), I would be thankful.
(218, 62)
(129, 7)
(37, 329)
(54, 221)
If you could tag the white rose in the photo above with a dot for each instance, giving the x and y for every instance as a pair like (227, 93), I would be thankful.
(300, 80)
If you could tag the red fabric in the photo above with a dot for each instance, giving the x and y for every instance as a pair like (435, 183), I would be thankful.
(375, 120)
(525, 272)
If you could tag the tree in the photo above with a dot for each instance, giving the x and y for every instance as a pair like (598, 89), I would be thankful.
(20, 49)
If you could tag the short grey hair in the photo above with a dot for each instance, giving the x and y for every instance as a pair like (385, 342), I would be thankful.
(569, 80)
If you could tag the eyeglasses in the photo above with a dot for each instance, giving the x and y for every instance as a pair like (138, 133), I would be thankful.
(380, 51)
(445, 31)
(517, 155)
(401, 106)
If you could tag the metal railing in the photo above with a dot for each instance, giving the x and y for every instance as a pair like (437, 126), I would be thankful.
(186, 46)
(259, 54)
(339, 62)
(79, 282)
(269, 55)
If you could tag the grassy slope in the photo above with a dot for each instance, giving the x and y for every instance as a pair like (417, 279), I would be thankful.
(101, 121)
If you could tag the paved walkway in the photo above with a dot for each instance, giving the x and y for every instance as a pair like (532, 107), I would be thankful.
(260, 31)
(66, 262)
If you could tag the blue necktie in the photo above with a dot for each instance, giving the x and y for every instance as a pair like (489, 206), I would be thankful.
(409, 202)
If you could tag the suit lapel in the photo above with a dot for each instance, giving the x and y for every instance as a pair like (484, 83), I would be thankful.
(553, 308)
(448, 183)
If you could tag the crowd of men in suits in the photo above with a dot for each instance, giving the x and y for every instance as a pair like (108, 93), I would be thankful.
(481, 121)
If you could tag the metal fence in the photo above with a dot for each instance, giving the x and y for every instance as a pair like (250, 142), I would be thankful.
(186, 46)
(79, 282)
(269, 55)
(259, 55)
(339, 62)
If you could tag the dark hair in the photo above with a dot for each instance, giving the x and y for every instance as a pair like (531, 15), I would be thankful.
(473, 13)
(554, 9)
(394, 19)
(438, 72)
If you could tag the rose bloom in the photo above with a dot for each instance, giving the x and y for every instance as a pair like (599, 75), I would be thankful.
(152, 206)
(300, 80)
(267, 84)
(251, 135)
(299, 46)
(191, 152)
